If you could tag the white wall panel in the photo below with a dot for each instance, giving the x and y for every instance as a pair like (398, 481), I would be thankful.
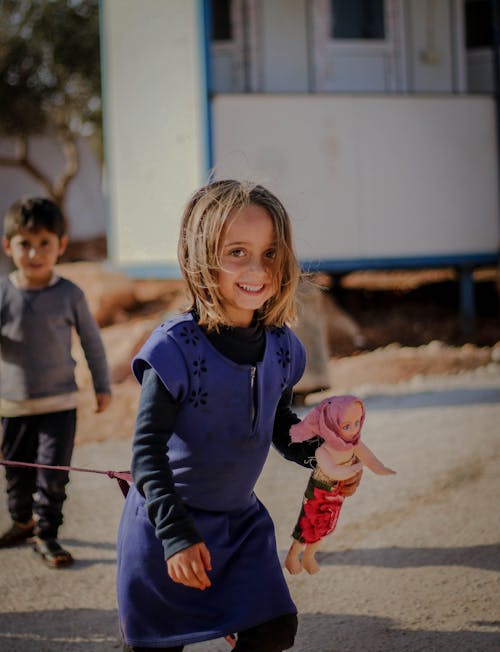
(154, 127)
(370, 176)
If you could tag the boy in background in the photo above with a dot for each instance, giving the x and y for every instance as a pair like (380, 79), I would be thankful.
(38, 391)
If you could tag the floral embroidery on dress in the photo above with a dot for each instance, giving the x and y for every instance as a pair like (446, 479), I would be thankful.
(199, 366)
(189, 335)
(198, 397)
(284, 358)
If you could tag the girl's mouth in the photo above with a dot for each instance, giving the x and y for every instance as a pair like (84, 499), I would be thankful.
(254, 289)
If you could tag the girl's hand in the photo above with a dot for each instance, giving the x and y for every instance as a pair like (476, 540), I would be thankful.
(189, 567)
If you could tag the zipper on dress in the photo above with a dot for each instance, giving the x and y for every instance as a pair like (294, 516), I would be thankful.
(253, 373)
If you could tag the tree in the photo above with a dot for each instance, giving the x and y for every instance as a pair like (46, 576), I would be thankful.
(49, 81)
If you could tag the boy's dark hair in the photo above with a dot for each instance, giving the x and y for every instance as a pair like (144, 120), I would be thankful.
(34, 213)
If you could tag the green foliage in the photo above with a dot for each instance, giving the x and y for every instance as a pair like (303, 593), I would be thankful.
(50, 68)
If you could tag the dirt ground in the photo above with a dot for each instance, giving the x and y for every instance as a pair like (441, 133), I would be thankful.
(413, 566)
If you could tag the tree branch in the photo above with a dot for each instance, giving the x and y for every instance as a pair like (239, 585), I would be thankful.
(56, 190)
(72, 165)
(22, 160)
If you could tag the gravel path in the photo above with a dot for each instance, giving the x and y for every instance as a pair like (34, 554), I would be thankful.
(413, 565)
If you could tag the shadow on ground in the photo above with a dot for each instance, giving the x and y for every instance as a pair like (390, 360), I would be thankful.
(94, 630)
(351, 633)
(65, 630)
(441, 398)
(485, 557)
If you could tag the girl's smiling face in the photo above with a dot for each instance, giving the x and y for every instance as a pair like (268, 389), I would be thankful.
(246, 280)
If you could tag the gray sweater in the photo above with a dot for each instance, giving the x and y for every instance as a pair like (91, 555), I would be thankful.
(35, 341)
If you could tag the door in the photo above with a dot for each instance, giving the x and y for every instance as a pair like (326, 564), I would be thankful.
(357, 45)
(233, 46)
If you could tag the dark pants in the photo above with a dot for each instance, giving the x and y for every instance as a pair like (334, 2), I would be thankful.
(42, 439)
(273, 636)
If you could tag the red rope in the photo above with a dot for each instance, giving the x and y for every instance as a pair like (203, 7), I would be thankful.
(124, 478)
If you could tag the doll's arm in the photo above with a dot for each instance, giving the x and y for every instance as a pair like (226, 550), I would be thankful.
(369, 459)
(333, 470)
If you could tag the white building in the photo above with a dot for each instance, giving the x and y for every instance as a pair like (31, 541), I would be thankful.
(373, 120)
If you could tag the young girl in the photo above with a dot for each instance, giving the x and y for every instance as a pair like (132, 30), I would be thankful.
(197, 553)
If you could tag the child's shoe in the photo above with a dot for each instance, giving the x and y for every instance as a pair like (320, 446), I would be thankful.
(17, 533)
(52, 553)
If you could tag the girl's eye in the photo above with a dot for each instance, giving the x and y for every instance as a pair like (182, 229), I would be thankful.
(356, 423)
(271, 254)
(237, 253)
(346, 427)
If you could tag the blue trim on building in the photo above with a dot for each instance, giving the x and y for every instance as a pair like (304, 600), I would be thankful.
(205, 38)
(157, 271)
(344, 266)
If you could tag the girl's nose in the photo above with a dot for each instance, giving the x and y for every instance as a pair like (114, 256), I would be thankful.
(32, 252)
(257, 265)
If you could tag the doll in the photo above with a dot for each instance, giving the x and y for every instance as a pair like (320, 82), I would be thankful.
(338, 421)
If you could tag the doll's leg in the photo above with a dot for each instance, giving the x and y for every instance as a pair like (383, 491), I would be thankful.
(292, 561)
(308, 560)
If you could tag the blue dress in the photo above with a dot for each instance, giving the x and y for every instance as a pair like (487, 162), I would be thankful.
(223, 432)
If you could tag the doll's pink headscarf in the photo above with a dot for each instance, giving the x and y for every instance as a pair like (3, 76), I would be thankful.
(325, 420)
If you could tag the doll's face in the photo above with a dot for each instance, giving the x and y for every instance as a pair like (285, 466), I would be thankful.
(351, 421)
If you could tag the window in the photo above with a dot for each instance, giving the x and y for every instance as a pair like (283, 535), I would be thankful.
(221, 20)
(479, 46)
(478, 24)
(232, 45)
(358, 19)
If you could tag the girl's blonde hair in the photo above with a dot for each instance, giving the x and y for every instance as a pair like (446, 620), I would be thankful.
(199, 251)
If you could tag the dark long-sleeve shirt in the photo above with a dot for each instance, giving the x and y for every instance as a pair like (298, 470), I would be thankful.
(35, 341)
